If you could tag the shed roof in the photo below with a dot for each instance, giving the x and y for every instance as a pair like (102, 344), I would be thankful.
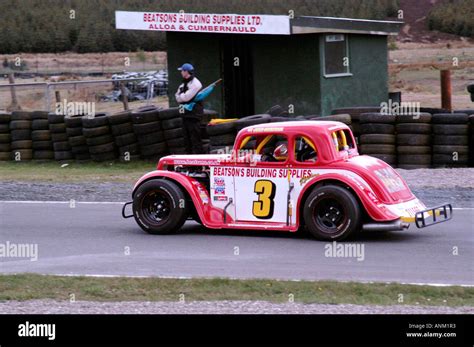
(311, 25)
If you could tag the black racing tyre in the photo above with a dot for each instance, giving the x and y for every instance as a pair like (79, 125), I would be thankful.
(103, 148)
(415, 159)
(388, 158)
(61, 146)
(450, 129)
(450, 159)
(43, 155)
(252, 120)
(54, 118)
(159, 206)
(149, 139)
(25, 144)
(126, 139)
(75, 141)
(82, 156)
(156, 148)
(21, 115)
(5, 147)
(22, 154)
(20, 135)
(224, 139)
(466, 111)
(331, 213)
(120, 118)
(145, 117)
(173, 133)
(343, 118)
(277, 111)
(414, 150)
(413, 140)
(93, 132)
(129, 158)
(172, 123)
(99, 140)
(121, 129)
(461, 150)
(40, 124)
(5, 138)
(99, 120)
(5, 156)
(131, 149)
(20, 124)
(455, 140)
(413, 166)
(77, 131)
(77, 150)
(450, 118)
(377, 128)
(59, 137)
(146, 108)
(178, 142)
(57, 127)
(146, 128)
(5, 117)
(39, 115)
(107, 156)
(413, 128)
(421, 117)
(4, 128)
(170, 113)
(377, 148)
(41, 135)
(221, 128)
(280, 119)
(74, 121)
(63, 155)
(377, 118)
(42, 145)
(355, 112)
(386, 139)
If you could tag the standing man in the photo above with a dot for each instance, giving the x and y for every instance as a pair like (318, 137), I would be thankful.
(191, 119)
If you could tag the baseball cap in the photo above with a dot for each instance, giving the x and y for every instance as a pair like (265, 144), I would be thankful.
(186, 67)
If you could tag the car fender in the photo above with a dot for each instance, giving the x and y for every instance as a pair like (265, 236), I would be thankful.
(359, 186)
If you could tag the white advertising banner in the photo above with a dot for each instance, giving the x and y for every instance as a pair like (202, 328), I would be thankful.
(203, 22)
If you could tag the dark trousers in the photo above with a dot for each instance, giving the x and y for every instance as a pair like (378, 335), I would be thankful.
(192, 135)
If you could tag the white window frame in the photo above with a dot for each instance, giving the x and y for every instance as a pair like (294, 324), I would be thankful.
(343, 74)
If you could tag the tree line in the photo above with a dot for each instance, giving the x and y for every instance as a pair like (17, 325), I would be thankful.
(454, 17)
(44, 26)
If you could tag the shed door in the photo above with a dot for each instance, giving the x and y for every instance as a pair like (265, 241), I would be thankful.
(237, 71)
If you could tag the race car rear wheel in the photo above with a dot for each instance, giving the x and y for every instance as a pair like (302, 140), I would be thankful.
(159, 207)
(331, 213)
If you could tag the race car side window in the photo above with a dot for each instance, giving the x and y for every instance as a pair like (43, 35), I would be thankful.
(305, 150)
(342, 140)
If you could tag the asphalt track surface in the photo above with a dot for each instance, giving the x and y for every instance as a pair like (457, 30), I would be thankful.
(93, 239)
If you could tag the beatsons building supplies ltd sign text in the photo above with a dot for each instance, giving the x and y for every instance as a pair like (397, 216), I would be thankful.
(203, 22)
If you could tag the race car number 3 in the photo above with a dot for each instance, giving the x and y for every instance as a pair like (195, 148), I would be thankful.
(263, 207)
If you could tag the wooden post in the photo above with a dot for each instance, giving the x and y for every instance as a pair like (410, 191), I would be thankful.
(446, 90)
(14, 105)
(124, 96)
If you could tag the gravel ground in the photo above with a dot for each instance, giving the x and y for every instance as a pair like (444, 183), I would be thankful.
(213, 307)
(432, 186)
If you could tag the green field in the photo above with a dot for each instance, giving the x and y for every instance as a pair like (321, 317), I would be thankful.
(31, 286)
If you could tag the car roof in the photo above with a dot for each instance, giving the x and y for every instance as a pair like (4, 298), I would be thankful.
(310, 126)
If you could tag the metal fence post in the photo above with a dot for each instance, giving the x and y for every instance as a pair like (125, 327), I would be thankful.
(47, 99)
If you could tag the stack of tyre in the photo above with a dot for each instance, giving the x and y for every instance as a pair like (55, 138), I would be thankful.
(124, 137)
(377, 136)
(77, 140)
(221, 137)
(99, 138)
(172, 122)
(414, 141)
(20, 130)
(355, 113)
(149, 133)
(343, 118)
(450, 139)
(59, 138)
(41, 136)
(5, 137)
(278, 114)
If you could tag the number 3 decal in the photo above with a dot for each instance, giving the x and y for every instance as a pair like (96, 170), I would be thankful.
(263, 207)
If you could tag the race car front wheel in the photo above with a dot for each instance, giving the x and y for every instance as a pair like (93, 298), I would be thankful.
(159, 207)
(331, 213)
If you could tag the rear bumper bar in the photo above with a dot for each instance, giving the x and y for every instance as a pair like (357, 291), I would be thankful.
(434, 215)
(123, 210)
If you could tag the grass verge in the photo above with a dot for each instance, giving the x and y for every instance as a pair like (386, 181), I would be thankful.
(74, 172)
(33, 286)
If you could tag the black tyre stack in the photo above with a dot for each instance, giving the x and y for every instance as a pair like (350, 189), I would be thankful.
(450, 140)
(149, 133)
(99, 138)
(377, 137)
(414, 141)
(355, 113)
(5, 137)
(41, 136)
(122, 129)
(20, 131)
(76, 138)
(173, 130)
(221, 136)
(208, 116)
(57, 128)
